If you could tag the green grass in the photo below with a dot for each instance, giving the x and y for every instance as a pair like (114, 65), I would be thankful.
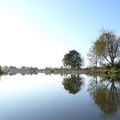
(112, 71)
(2, 72)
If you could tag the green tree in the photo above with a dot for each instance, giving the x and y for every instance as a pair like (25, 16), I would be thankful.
(73, 60)
(108, 47)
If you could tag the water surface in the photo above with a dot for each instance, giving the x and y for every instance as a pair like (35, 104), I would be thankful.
(55, 97)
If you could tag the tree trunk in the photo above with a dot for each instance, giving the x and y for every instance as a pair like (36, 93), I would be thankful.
(112, 63)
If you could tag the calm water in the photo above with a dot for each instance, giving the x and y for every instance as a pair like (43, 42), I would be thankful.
(55, 97)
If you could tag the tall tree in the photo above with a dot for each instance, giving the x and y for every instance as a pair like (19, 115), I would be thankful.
(92, 56)
(108, 47)
(73, 60)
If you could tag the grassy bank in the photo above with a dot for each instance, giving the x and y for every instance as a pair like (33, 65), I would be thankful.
(112, 71)
(2, 72)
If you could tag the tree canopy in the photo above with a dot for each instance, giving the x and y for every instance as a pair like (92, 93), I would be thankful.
(73, 60)
(107, 47)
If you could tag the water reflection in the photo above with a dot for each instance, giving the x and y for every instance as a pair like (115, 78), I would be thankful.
(73, 83)
(43, 97)
(106, 93)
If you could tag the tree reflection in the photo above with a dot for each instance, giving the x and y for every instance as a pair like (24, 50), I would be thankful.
(73, 83)
(106, 93)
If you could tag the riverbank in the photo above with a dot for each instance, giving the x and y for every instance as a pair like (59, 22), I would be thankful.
(102, 71)
(2, 72)
(30, 70)
(89, 71)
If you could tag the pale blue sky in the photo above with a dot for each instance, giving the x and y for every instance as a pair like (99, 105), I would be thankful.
(40, 32)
